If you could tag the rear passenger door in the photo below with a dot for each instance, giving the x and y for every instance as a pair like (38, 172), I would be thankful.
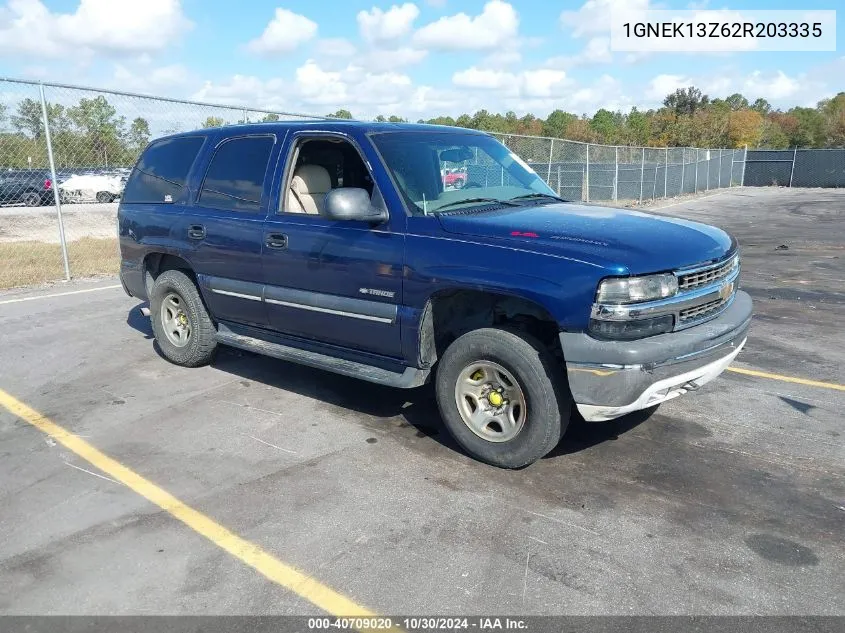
(224, 227)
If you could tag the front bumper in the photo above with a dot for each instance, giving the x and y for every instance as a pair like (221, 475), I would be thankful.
(611, 378)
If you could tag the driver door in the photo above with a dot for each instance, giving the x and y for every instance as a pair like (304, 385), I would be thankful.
(334, 282)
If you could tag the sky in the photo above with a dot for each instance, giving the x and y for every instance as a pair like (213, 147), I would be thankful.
(415, 59)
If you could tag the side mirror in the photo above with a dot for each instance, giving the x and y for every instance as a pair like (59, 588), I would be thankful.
(352, 203)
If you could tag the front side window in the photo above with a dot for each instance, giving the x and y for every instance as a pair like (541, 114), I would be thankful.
(235, 176)
(444, 171)
(162, 170)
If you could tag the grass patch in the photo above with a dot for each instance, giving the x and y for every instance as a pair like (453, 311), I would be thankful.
(27, 263)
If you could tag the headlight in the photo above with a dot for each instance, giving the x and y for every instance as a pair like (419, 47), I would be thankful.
(637, 289)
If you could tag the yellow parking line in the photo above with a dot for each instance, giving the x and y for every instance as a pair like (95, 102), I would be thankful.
(288, 577)
(798, 381)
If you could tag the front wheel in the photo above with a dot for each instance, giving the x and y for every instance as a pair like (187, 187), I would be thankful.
(502, 396)
(183, 330)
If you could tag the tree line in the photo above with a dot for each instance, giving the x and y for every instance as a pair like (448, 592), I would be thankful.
(688, 118)
(93, 133)
(88, 134)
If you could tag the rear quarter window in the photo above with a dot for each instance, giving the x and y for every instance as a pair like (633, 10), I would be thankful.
(162, 171)
(235, 176)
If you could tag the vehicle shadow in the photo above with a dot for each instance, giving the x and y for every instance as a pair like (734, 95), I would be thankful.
(416, 408)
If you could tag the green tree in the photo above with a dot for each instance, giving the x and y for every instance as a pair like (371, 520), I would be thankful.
(464, 120)
(380, 119)
(213, 121)
(605, 125)
(30, 120)
(737, 102)
(637, 129)
(762, 106)
(557, 123)
(833, 115)
(270, 118)
(139, 135)
(341, 114)
(810, 129)
(396, 119)
(102, 130)
(686, 100)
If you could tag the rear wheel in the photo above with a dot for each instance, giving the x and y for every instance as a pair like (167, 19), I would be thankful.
(31, 199)
(183, 330)
(502, 396)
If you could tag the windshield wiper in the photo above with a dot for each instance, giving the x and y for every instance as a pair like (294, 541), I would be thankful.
(507, 203)
(539, 195)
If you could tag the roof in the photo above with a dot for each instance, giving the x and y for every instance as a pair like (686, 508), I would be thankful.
(338, 125)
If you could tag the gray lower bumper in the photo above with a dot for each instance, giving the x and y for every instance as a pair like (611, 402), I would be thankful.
(611, 378)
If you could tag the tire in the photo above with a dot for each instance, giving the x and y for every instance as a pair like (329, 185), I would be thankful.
(458, 184)
(174, 293)
(31, 199)
(541, 387)
(104, 196)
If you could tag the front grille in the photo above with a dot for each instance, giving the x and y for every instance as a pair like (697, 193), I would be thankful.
(702, 311)
(706, 276)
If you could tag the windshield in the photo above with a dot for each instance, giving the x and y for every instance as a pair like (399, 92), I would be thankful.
(449, 171)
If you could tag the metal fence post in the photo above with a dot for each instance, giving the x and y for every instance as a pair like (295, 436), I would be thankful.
(588, 174)
(719, 181)
(695, 184)
(683, 169)
(707, 184)
(666, 175)
(744, 163)
(55, 182)
(642, 175)
(792, 171)
(551, 155)
(616, 174)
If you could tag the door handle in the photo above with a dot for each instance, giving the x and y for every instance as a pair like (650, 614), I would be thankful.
(277, 240)
(196, 232)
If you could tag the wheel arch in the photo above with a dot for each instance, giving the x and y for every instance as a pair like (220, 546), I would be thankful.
(450, 312)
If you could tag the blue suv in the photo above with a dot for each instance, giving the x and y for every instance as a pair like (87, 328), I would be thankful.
(340, 245)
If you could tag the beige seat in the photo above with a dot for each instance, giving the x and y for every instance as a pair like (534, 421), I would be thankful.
(308, 189)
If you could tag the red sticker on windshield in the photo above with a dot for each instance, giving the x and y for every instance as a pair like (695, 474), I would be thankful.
(523, 234)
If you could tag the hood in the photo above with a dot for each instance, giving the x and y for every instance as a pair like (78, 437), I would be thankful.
(620, 239)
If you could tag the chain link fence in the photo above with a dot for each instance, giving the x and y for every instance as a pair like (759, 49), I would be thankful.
(796, 168)
(624, 175)
(66, 152)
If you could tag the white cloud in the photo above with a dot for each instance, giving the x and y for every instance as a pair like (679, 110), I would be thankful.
(497, 25)
(335, 47)
(541, 82)
(315, 89)
(483, 79)
(385, 26)
(28, 27)
(285, 32)
(164, 79)
(594, 15)
(776, 87)
(663, 85)
(596, 51)
(382, 60)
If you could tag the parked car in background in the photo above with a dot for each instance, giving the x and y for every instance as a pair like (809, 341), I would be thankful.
(27, 187)
(455, 178)
(91, 188)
